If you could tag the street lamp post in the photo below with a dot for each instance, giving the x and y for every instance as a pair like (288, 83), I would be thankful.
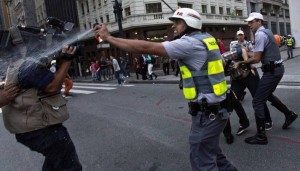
(117, 4)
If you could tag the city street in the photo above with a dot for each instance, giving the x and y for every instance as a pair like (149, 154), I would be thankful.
(145, 127)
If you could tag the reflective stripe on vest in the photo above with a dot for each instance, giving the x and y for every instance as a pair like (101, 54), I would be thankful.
(189, 88)
(211, 78)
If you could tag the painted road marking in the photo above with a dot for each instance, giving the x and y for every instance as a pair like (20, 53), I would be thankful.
(104, 85)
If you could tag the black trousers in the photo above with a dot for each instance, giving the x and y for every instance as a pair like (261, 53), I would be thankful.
(144, 71)
(166, 68)
(56, 145)
(238, 86)
(266, 87)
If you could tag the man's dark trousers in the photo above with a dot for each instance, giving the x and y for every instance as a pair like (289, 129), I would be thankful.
(56, 145)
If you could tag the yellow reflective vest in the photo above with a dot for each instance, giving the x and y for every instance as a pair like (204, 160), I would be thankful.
(289, 42)
(210, 78)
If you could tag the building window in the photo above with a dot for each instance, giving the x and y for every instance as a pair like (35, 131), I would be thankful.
(127, 12)
(101, 19)
(107, 18)
(252, 7)
(238, 13)
(221, 10)
(204, 8)
(99, 3)
(153, 8)
(228, 11)
(82, 8)
(281, 13)
(287, 14)
(213, 9)
(87, 6)
(90, 24)
(185, 5)
(84, 26)
(96, 20)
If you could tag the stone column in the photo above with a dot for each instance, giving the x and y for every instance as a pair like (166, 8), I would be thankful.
(277, 23)
(284, 22)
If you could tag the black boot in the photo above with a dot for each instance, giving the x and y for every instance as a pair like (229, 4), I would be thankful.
(289, 120)
(260, 137)
(227, 133)
(150, 77)
(290, 116)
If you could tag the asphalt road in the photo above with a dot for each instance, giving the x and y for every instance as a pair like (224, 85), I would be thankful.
(145, 127)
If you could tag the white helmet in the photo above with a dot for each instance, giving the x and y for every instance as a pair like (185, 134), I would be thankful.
(191, 17)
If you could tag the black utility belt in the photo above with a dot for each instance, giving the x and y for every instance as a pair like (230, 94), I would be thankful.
(270, 67)
(207, 109)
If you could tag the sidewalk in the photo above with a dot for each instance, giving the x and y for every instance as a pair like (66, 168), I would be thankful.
(172, 79)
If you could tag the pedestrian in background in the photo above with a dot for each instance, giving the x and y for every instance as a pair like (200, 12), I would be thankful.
(144, 66)
(151, 61)
(110, 70)
(166, 65)
(290, 44)
(173, 61)
(137, 68)
(93, 70)
(196, 50)
(123, 67)
(103, 69)
(117, 70)
(267, 52)
(221, 45)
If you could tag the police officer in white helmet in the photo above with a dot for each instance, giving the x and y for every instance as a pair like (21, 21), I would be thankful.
(204, 87)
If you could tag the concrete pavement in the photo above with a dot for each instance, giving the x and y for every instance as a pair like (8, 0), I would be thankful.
(290, 76)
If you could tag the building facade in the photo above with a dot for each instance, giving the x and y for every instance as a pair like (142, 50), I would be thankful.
(6, 17)
(41, 13)
(276, 14)
(148, 20)
(295, 24)
(65, 10)
(24, 12)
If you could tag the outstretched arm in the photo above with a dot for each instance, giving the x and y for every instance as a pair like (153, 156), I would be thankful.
(129, 45)
(253, 60)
